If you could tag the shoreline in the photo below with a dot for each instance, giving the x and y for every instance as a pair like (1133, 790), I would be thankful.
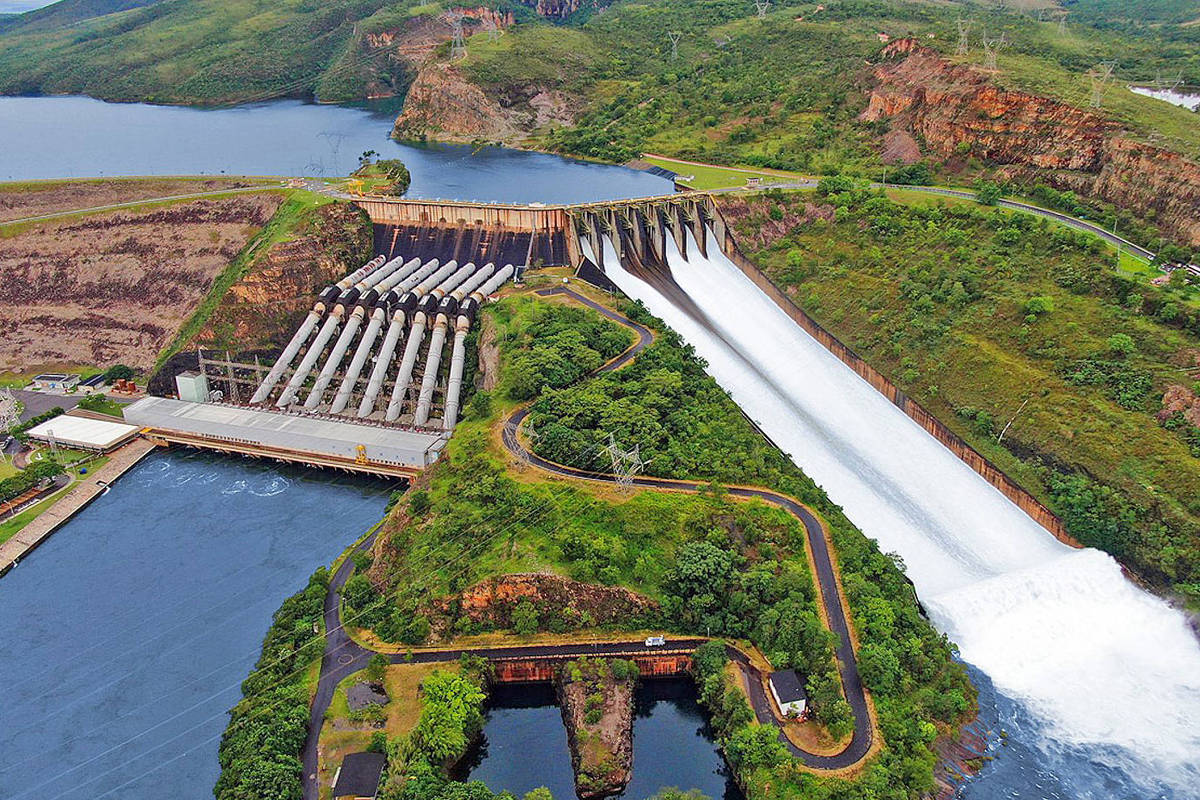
(75, 500)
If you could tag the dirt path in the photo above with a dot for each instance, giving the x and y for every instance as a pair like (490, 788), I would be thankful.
(135, 203)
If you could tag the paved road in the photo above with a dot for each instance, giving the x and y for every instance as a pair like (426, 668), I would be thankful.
(860, 742)
(343, 656)
(40, 402)
(133, 203)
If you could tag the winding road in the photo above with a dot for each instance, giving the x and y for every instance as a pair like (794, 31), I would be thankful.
(343, 656)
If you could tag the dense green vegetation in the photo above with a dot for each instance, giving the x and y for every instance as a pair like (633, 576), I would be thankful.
(1009, 328)
(260, 750)
(782, 92)
(712, 564)
(28, 478)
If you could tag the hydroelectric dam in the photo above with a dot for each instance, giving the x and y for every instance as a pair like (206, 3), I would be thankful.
(372, 379)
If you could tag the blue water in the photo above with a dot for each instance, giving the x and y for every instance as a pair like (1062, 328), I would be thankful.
(128, 633)
(72, 137)
(524, 744)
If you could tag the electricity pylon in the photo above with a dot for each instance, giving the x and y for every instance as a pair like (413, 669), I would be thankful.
(493, 30)
(458, 44)
(1100, 76)
(761, 7)
(964, 39)
(674, 37)
(991, 51)
(626, 464)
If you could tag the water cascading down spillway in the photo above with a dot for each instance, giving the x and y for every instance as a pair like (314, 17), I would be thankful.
(437, 340)
(364, 292)
(381, 296)
(1096, 679)
(466, 317)
(416, 335)
(401, 303)
(306, 328)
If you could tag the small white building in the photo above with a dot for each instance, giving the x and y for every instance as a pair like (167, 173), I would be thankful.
(55, 381)
(83, 433)
(787, 687)
(192, 387)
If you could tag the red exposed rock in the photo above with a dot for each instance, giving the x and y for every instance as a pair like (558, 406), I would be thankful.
(946, 104)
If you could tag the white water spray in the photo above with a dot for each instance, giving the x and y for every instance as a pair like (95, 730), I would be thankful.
(1101, 664)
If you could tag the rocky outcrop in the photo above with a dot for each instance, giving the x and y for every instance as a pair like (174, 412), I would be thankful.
(954, 109)
(442, 103)
(558, 602)
(561, 9)
(263, 307)
(596, 698)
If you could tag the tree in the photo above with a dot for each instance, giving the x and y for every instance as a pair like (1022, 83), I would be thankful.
(879, 667)
(524, 618)
(118, 372)
(1121, 344)
(540, 793)
(420, 503)
(451, 714)
(988, 193)
(755, 746)
(377, 667)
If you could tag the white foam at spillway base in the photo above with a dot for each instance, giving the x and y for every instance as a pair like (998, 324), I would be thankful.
(1095, 659)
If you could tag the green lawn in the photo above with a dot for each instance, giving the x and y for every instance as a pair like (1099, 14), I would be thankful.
(10, 527)
(707, 176)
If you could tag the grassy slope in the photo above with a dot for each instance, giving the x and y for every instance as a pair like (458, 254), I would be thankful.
(935, 300)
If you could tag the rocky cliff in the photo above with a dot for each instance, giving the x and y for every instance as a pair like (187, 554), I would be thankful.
(260, 310)
(559, 603)
(596, 698)
(561, 9)
(443, 102)
(951, 108)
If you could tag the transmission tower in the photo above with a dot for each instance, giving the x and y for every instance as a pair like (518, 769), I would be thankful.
(991, 50)
(674, 36)
(761, 7)
(964, 38)
(1061, 14)
(493, 30)
(458, 44)
(1100, 77)
(9, 414)
(626, 464)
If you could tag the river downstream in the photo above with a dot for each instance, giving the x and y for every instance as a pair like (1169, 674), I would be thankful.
(129, 632)
(673, 745)
(1098, 680)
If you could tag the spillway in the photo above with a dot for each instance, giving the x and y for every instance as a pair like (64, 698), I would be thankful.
(1109, 673)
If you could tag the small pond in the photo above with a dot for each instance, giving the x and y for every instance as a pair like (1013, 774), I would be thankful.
(524, 744)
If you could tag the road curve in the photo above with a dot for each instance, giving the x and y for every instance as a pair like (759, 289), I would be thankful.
(825, 575)
(343, 656)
